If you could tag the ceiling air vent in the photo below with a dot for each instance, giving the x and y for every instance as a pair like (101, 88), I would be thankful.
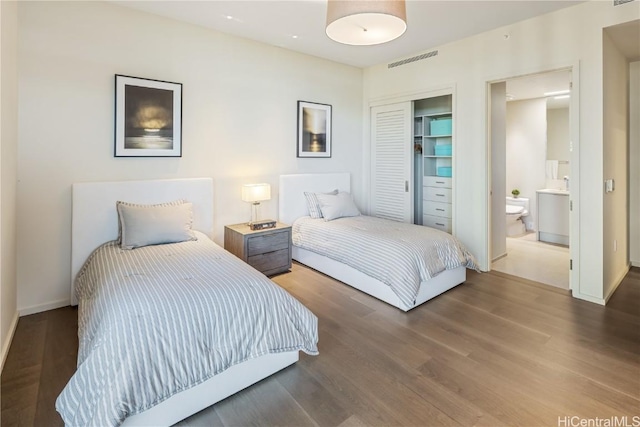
(619, 2)
(413, 59)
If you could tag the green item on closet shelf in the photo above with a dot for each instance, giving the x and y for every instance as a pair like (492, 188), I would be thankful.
(515, 192)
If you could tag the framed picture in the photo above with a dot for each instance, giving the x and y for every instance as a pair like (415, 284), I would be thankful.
(314, 129)
(148, 118)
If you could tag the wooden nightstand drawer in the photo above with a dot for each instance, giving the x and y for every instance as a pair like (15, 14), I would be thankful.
(271, 261)
(268, 251)
(269, 242)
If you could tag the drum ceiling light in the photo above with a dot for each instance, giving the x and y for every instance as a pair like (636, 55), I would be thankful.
(365, 22)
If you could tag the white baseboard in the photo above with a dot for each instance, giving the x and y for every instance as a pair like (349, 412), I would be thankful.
(499, 257)
(589, 298)
(43, 307)
(635, 263)
(7, 342)
(617, 283)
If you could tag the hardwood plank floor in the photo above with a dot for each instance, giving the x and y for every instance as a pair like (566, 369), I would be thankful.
(497, 350)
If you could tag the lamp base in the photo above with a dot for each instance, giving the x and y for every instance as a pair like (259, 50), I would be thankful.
(262, 225)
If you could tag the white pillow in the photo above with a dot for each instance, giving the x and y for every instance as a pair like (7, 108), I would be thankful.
(337, 206)
(143, 225)
(174, 203)
(314, 205)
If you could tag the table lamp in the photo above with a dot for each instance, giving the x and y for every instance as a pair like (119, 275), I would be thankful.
(254, 194)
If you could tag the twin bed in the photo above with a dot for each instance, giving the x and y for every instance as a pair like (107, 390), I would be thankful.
(178, 324)
(401, 264)
(167, 330)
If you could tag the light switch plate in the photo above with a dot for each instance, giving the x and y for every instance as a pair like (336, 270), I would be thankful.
(609, 186)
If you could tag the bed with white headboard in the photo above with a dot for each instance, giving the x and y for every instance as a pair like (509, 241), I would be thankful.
(293, 205)
(95, 221)
(94, 218)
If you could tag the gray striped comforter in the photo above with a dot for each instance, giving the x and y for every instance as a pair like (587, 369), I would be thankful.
(160, 319)
(398, 254)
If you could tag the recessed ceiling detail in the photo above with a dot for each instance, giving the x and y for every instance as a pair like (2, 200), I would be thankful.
(413, 59)
(430, 24)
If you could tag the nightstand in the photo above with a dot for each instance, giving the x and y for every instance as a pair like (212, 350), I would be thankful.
(268, 251)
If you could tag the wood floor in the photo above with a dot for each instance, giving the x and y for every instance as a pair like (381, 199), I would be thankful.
(494, 351)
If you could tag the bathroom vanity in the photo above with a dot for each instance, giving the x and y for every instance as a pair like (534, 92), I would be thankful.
(553, 216)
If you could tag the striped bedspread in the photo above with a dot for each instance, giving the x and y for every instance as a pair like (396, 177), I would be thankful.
(398, 254)
(157, 320)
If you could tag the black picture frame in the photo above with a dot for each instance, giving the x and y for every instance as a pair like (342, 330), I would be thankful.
(314, 130)
(148, 117)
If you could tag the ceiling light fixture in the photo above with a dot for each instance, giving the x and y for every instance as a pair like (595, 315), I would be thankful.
(365, 22)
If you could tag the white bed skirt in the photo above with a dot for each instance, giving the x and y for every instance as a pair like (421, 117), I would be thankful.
(217, 388)
(367, 284)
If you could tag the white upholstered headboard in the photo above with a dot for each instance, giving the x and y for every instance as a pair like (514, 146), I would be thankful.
(95, 220)
(293, 204)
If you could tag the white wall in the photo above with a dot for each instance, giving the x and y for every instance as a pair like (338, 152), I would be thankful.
(616, 114)
(634, 163)
(526, 151)
(239, 120)
(8, 172)
(564, 38)
(558, 138)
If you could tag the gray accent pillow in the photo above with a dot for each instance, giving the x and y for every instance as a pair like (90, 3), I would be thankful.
(143, 225)
(337, 206)
(314, 205)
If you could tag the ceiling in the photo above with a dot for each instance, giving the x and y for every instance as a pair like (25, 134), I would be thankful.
(299, 25)
(535, 86)
(626, 37)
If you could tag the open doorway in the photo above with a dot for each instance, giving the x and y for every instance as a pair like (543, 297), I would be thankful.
(530, 134)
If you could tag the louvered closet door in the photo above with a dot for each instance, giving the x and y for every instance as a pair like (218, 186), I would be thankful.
(392, 162)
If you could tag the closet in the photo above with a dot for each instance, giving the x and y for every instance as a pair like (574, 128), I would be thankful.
(412, 160)
(433, 147)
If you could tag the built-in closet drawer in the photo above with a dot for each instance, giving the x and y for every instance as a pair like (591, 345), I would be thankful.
(437, 209)
(436, 181)
(437, 194)
(438, 222)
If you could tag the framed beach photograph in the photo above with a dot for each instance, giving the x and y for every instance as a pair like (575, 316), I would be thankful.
(148, 118)
(314, 129)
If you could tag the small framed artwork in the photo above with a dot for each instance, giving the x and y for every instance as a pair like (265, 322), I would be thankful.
(314, 129)
(148, 118)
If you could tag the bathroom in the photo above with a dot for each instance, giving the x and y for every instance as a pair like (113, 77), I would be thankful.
(537, 180)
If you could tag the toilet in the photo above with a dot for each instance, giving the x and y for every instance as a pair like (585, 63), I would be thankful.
(516, 209)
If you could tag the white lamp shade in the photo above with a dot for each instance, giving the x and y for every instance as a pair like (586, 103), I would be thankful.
(256, 192)
(365, 22)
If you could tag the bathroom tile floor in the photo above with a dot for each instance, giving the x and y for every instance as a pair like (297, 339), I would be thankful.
(543, 262)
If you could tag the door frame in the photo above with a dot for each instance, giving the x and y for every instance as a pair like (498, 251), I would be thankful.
(574, 147)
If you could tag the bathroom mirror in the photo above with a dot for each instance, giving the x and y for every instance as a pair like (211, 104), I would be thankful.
(558, 141)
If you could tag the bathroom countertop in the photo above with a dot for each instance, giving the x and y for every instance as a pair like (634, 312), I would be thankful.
(554, 191)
